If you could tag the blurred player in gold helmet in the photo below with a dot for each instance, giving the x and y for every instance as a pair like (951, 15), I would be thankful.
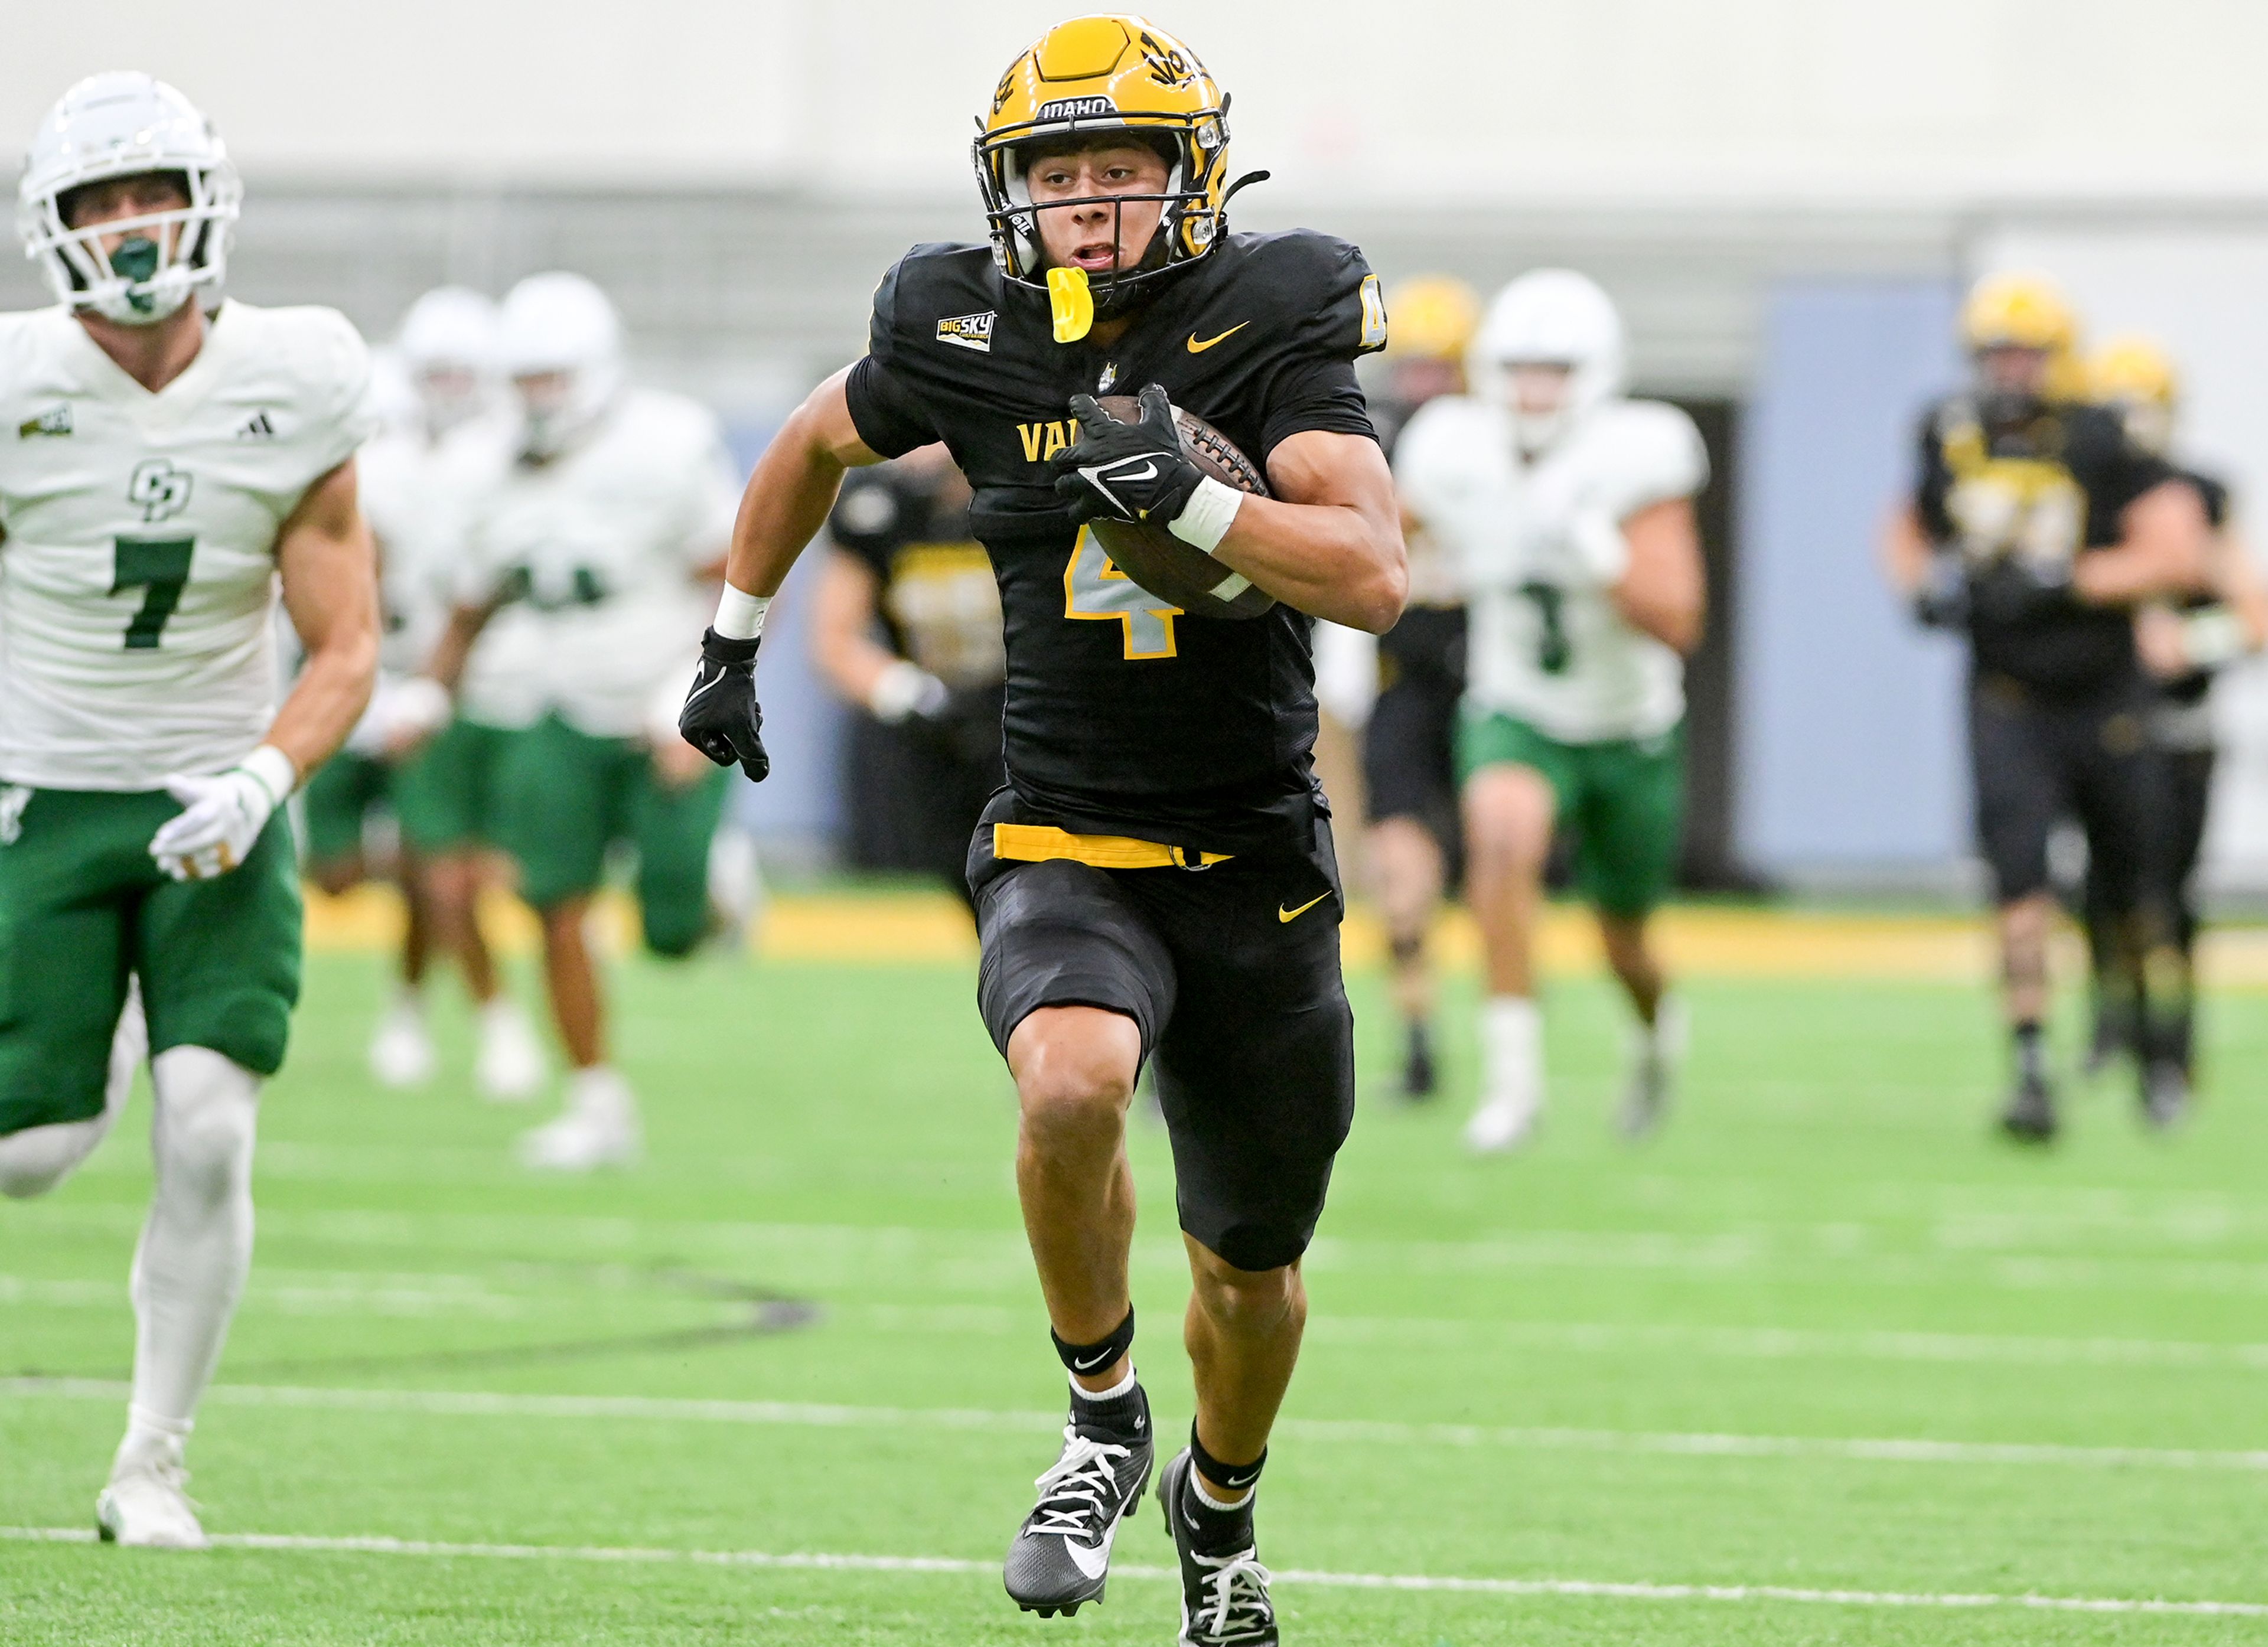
(2038, 526)
(1143, 741)
(2184, 644)
(1401, 689)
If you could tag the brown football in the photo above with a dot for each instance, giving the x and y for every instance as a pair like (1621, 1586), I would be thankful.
(1161, 563)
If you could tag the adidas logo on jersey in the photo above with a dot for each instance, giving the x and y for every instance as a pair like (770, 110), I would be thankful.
(968, 331)
(56, 420)
(257, 427)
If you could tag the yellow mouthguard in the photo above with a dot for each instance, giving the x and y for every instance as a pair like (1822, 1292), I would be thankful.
(1071, 304)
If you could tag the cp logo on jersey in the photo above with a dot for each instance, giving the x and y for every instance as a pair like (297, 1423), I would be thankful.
(158, 490)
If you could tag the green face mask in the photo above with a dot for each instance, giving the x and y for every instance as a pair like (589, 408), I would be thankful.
(136, 260)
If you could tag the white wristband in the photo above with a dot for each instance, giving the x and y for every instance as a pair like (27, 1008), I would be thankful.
(741, 616)
(1205, 519)
(905, 688)
(2213, 637)
(277, 771)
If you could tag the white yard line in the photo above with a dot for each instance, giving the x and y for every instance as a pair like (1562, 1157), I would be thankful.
(1588, 1588)
(809, 1415)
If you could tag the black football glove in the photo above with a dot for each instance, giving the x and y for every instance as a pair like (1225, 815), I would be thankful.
(1127, 471)
(720, 717)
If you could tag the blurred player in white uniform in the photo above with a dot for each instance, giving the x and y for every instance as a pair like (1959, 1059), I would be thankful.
(434, 774)
(171, 468)
(1571, 509)
(602, 533)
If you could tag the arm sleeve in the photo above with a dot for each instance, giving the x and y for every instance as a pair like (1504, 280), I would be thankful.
(345, 406)
(885, 408)
(1338, 315)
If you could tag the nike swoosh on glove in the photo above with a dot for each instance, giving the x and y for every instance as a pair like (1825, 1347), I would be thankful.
(720, 717)
(1130, 472)
(221, 818)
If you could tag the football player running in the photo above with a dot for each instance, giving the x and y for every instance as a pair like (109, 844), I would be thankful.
(1156, 881)
(2185, 646)
(615, 505)
(2038, 526)
(176, 461)
(1569, 508)
(406, 756)
(1401, 688)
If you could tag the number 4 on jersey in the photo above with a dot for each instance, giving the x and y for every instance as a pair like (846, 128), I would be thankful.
(161, 565)
(1093, 587)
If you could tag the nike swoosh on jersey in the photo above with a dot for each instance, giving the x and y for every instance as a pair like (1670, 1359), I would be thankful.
(1196, 347)
(1289, 915)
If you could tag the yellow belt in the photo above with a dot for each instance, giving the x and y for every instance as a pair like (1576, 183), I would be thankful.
(1036, 843)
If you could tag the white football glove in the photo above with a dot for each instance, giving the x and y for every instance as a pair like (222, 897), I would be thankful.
(222, 817)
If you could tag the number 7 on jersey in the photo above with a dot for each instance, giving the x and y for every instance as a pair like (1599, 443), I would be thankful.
(161, 565)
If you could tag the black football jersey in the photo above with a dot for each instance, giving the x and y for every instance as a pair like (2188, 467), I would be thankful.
(2050, 487)
(936, 598)
(1124, 715)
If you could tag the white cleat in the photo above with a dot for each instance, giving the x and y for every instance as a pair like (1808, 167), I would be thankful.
(1503, 1122)
(144, 1505)
(401, 1051)
(1656, 1056)
(600, 1128)
(510, 1066)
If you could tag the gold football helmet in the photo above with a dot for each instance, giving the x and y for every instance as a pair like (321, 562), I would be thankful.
(1434, 319)
(2135, 378)
(1098, 75)
(2018, 312)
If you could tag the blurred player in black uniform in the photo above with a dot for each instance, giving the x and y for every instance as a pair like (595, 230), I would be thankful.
(2038, 526)
(926, 757)
(1402, 687)
(2184, 647)
(1157, 880)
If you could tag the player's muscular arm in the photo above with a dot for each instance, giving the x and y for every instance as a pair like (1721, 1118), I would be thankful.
(794, 487)
(1665, 592)
(1329, 542)
(2163, 551)
(329, 572)
(455, 646)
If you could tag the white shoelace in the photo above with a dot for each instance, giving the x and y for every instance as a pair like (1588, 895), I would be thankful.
(1238, 1608)
(1074, 1491)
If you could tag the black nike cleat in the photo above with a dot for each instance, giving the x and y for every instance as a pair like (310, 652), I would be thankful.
(1224, 1593)
(2030, 1117)
(1060, 1557)
(1420, 1078)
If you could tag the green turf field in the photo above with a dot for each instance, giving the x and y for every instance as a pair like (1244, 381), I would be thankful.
(1825, 1364)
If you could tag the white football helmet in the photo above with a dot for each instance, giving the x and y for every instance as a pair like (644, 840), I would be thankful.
(448, 345)
(122, 125)
(561, 323)
(1550, 317)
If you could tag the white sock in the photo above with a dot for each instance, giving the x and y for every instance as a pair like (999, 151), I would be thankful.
(1080, 1392)
(1512, 1050)
(196, 1248)
(1197, 1486)
(501, 1015)
(36, 1159)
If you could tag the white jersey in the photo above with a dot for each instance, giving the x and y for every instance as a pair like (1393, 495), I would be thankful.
(596, 550)
(421, 496)
(137, 569)
(1545, 643)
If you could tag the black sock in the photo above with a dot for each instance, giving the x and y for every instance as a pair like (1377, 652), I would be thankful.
(2031, 1056)
(1122, 1417)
